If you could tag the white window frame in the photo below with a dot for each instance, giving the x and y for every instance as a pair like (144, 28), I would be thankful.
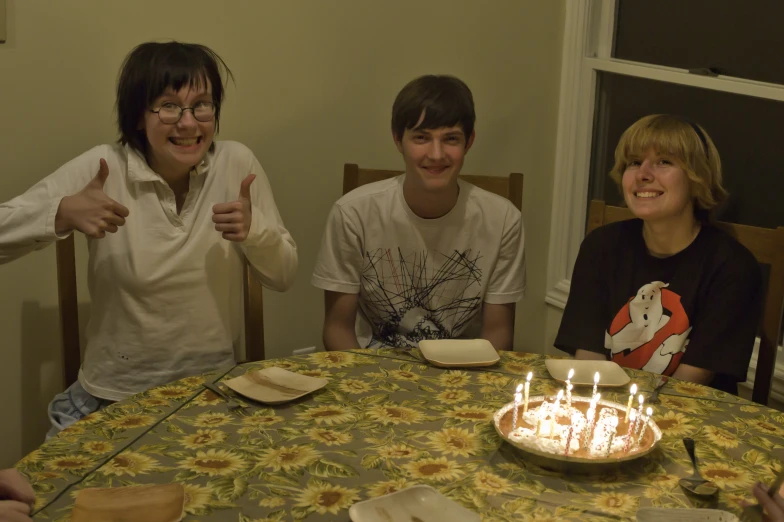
(587, 46)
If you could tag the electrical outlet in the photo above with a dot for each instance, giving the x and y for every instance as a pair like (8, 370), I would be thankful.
(304, 351)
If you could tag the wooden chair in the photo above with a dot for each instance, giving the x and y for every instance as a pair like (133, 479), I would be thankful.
(69, 312)
(510, 187)
(767, 245)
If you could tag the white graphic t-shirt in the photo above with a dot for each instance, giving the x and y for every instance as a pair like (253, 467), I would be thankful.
(421, 278)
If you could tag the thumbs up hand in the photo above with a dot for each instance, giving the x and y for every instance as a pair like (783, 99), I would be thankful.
(90, 210)
(234, 218)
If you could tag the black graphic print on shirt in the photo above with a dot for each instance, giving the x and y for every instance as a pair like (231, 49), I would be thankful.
(410, 297)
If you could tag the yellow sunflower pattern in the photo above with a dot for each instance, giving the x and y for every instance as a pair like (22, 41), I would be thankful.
(387, 421)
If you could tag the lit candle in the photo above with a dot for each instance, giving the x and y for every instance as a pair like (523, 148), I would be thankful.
(554, 421)
(595, 382)
(629, 404)
(648, 414)
(641, 421)
(590, 420)
(641, 399)
(558, 402)
(630, 433)
(576, 418)
(527, 387)
(517, 398)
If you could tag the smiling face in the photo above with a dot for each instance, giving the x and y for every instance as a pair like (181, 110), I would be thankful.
(175, 148)
(434, 157)
(656, 188)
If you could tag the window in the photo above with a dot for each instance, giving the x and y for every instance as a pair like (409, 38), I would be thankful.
(748, 133)
(713, 61)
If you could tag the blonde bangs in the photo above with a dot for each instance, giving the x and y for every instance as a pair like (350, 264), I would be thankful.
(676, 139)
(667, 136)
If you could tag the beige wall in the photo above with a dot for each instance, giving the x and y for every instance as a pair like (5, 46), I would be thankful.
(315, 82)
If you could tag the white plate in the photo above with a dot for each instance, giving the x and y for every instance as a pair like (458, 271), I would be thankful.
(459, 353)
(684, 515)
(274, 385)
(610, 374)
(417, 503)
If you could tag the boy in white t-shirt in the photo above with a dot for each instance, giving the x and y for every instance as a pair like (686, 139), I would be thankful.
(424, 255)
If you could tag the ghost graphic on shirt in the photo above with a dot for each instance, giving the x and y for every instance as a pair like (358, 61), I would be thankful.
(651, 331)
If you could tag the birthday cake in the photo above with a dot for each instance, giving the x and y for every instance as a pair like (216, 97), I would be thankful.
(585, 429)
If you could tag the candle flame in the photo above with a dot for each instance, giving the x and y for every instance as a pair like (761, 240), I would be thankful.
(571, 373)
(596, 377)
(530, 374)
(560, 394)
(649, 411)
(634, 389)
(519, 388)
(641, 399)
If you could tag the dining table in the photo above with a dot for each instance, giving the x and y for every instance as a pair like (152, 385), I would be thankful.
(388, 420)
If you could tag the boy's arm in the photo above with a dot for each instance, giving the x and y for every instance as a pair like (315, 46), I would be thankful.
(498, 325)
(340, 316)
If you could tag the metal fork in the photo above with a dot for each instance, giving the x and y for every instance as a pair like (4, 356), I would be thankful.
(654, 398)
(230, 402)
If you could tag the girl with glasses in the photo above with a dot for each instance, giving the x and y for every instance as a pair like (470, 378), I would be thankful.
(170, 216)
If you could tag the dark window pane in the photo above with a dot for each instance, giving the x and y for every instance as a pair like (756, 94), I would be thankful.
(739, 38)
(748, 132)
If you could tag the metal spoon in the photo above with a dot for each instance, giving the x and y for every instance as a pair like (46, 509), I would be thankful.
(696, 484)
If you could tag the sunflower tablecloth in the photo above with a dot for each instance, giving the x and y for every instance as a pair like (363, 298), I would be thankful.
(386, 421)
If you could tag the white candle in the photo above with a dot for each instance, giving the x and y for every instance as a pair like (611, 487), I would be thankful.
(554, 417)
(527, 388)
(641, 400)
(595, 382)
(590, 420)
(630, 433)
(517, 398)
(629, 404)
(569, 390)
(648, 414)
(558, 402)
(568, 440)
(612, 426)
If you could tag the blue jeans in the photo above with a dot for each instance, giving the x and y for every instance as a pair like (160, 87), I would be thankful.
(70, 406)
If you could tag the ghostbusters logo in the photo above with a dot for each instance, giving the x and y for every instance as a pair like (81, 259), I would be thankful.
(651, 331)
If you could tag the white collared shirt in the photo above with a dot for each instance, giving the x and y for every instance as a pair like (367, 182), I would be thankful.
(166, 288)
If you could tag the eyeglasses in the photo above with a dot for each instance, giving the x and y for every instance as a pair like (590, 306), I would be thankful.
(171, 112)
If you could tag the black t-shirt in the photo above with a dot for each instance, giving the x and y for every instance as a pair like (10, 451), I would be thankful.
(699, 307)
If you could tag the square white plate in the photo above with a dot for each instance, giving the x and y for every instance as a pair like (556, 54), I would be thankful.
(459, 353)
(610, 374)
(684, 515)
(419, 503)
(274, 385)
